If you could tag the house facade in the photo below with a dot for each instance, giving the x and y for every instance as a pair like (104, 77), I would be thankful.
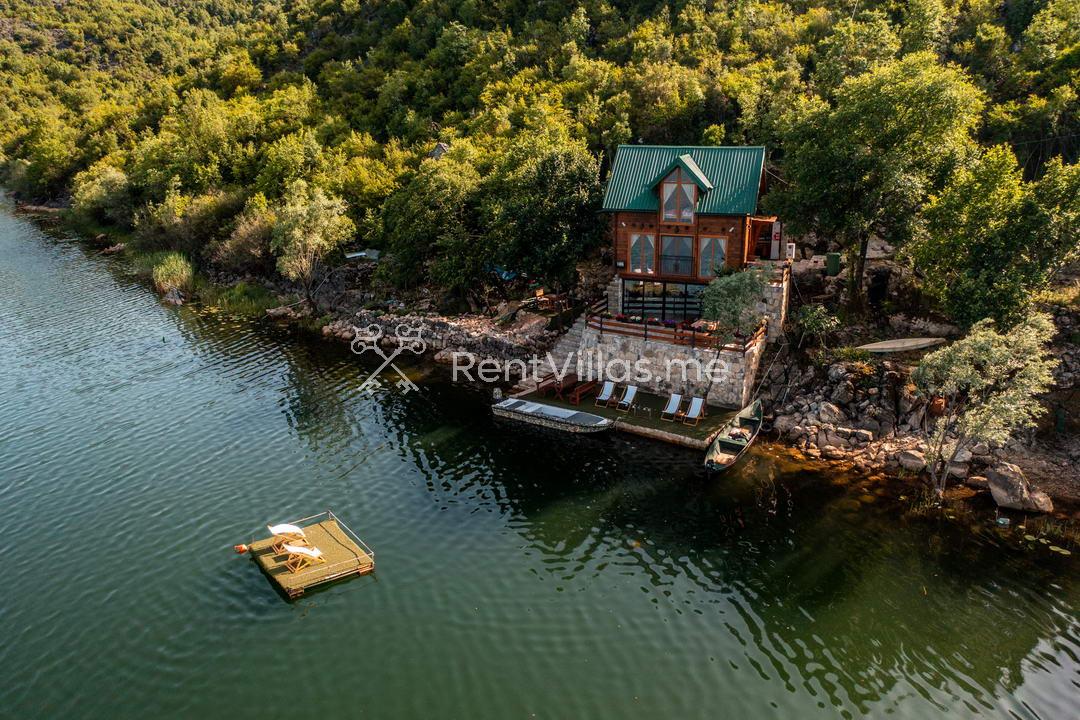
(678, 216)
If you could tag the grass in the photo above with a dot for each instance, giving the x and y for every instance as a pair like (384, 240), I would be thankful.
(173, 271)
(240, 299)
(1067, 296)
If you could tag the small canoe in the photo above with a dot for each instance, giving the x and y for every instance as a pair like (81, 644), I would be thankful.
(902, 345)
(735, 438)
(550, 416)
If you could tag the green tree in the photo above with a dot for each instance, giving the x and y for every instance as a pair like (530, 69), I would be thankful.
(991, 382)
(731, 301)
(434, 213)
(992, 241)
(310, 224)
(866, 165)
(854, 47)
(541, 206)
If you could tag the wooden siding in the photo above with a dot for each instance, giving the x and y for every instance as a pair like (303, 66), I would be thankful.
(735, 228)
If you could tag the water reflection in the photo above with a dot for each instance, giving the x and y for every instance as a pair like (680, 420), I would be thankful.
(512, 561)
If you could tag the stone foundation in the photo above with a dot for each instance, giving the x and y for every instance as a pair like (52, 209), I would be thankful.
(724, 378)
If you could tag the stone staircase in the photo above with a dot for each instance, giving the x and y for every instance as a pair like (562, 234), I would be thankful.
(564, 351)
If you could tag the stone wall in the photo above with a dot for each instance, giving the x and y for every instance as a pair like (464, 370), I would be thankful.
(726, 377)
(775, 304)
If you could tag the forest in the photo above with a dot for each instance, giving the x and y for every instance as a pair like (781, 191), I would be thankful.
(263, 137)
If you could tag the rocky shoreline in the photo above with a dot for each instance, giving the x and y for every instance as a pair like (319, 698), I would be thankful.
(867, 416)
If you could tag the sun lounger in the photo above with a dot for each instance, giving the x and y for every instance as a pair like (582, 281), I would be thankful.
(627, 399)
(302, 557)
(695, 412)
(606, 392)
(286, 533)
(672, 408)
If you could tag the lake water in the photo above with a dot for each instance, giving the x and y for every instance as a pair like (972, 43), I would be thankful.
(519, 574)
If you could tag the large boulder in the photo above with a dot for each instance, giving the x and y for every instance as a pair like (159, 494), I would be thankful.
(830, 414)
(784, 424)
(912, 460)
(1011, 489)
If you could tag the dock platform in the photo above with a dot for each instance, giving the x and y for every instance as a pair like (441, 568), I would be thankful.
(346, 555)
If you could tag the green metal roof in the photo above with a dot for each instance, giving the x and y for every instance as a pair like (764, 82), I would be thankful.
(731, 175)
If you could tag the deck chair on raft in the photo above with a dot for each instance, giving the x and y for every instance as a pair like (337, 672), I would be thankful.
(286, 533)
(302, 557)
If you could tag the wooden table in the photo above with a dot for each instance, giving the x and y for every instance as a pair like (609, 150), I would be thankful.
(579, 391)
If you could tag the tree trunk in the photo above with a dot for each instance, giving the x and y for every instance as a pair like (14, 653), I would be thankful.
(856, 271)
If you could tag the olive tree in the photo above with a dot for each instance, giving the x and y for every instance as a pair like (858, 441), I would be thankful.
(309, 225)
(990, 382)
(731, 301)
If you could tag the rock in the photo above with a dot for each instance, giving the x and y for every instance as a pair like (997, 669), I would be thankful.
(958, 470)
(980, 449)
(113, 249)
(829, 413)
(837, 373)
(962, 456)
(912, 460)
(843, 394)
(784, 424)
(1011, 489)
(978, 482)
(833, 453)
(862, 436)
(281, 313)
(173, 297)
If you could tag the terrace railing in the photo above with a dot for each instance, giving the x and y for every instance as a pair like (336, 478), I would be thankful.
(687, 337)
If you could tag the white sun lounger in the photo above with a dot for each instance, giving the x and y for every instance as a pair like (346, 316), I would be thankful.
(695, 412)
(604, 398)
(285, 533)
(627, 398)
(301, 557)
(672, 408)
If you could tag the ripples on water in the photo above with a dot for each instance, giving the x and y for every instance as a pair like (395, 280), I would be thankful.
(518, 572)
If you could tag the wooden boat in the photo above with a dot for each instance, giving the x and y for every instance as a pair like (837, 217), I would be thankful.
(550, 416)
(734, 438)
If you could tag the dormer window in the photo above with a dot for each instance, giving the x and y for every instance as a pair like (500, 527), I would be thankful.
(678, 194)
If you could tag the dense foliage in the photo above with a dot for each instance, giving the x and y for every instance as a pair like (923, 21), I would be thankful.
(990, 382)
(189, 120)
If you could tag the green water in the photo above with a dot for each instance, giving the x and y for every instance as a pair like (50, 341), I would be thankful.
(519, 574)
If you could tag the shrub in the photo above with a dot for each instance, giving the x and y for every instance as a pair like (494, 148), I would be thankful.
(816, 321)
(173, 272)
(186, 223)
(247, 248)
(101, 194)
(731, 302)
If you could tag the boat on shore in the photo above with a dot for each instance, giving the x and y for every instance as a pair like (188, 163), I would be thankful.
(550, 416)
(735, 438)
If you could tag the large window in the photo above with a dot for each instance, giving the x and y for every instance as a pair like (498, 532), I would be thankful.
(710, 255)
(642, 253)
(662, 301)
(677, 255)
(679, 194)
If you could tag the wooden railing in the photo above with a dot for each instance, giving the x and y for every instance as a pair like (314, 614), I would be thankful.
(672, 335)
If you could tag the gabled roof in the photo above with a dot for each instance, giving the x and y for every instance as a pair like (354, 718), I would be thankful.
(687, 163)
(730, 177)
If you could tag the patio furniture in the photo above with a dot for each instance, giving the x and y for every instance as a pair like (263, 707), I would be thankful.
(627, 401)
(672, 408)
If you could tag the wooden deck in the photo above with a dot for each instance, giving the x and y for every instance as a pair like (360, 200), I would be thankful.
(344, 557)
(644, 420)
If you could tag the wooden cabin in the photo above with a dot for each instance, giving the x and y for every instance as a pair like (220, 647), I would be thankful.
(678, 214)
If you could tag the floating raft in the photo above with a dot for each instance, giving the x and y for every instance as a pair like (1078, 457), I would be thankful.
(346, 555)
(549, 416)
(902, 345)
